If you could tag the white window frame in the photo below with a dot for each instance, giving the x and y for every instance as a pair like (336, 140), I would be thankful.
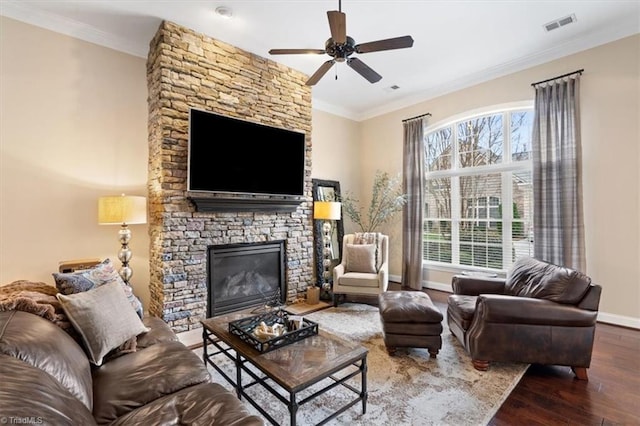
(505, 168)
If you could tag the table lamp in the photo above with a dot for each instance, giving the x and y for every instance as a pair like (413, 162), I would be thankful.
(327, 211)
(123, 210)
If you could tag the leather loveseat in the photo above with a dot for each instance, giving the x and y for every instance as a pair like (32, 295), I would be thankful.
(46, 378)
(540, 313)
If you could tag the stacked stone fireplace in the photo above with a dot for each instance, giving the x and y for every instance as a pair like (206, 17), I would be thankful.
(189, 70)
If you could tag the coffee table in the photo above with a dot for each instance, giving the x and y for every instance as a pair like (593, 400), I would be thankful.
(293, 368)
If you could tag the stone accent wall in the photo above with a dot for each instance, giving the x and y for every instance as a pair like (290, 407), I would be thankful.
(186, 69)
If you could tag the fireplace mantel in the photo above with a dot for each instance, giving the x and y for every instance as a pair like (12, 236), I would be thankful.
(205, 202)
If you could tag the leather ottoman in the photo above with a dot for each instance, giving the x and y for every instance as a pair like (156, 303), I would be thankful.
(410, 319)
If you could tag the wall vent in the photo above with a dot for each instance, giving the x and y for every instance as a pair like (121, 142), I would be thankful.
(549, 26)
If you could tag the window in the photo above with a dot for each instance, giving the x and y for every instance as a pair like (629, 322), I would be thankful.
(478, 191)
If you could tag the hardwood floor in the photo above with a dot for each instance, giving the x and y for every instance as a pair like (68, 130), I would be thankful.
(550, 395)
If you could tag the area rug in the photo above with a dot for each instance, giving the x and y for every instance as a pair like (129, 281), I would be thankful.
(409, 388)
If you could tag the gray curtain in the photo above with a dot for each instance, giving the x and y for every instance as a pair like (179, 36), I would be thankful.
(413, 186)
(557, 174)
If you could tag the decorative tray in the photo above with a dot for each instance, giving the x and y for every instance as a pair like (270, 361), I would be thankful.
(260, 331)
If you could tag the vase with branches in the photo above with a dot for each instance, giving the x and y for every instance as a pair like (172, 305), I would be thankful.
(387, 199)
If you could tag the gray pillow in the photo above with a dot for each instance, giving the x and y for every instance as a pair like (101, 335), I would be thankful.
(103, 273)
(103, 317)
(361, 258)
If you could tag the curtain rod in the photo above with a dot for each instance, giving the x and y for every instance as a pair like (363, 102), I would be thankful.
(417, 116)
(560, 76)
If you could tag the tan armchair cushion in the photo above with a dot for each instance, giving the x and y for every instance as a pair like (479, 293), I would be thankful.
(374, 238)
(361, 258)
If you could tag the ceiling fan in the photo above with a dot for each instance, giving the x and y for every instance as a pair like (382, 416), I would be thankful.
(340, 46)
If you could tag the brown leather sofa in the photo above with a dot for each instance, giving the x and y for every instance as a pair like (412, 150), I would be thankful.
(539, 314)
(46, 378)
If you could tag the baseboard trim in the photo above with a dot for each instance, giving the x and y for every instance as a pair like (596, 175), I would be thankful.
(191, 338)
(620, 320)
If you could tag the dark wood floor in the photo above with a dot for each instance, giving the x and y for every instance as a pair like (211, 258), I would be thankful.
(550, 395)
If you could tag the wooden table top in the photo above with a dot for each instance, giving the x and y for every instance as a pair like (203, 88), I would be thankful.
(297, 365)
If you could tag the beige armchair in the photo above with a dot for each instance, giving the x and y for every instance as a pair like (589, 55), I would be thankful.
(364, 269)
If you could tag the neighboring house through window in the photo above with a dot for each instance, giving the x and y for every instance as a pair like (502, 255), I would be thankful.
(478, 190)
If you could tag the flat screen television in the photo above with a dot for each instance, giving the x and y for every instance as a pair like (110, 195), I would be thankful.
(229, 155)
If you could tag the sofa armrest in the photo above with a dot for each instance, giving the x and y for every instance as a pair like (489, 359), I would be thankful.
(591, 300)
(338, 271)
(474, 286)
(159, 331)
(493, 308)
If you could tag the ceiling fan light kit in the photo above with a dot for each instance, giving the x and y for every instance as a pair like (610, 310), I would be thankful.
(340, 47)
(224, 12)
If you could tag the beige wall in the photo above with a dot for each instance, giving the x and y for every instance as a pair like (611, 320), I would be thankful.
(336, 153)
(73, 127)
(610, 97)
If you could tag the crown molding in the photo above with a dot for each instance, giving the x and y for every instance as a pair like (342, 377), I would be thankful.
(22, 11)
(333, 109)
(625, 28)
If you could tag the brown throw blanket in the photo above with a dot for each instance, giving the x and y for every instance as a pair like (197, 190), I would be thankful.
(36, 298)
(40, 299)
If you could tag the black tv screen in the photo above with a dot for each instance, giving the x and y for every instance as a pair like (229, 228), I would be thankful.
(237, 156)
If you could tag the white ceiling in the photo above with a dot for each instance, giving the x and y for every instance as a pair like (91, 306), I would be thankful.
(456, 43)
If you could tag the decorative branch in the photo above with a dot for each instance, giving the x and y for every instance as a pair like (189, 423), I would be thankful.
(387, 199)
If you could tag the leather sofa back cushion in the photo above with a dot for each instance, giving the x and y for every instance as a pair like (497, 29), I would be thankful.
(29, 395)
(134, 380)
(40, 343)
(529, 277)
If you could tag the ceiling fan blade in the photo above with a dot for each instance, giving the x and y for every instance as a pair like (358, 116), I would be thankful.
(387, 44)
(296, 51)
(338, 26)
(320, 72)
(364, 70)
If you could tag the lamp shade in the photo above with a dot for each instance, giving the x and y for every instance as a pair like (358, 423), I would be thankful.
(327, 210)
(119, 209)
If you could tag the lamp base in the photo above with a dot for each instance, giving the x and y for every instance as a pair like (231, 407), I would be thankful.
(125, 254)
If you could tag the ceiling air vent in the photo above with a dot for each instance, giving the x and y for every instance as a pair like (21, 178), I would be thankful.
(391, 88)
(549, 26)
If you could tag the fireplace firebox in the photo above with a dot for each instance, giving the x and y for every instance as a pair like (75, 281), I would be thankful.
(244, 275)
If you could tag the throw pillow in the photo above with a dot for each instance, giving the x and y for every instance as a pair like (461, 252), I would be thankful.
(103, 317)
(370, 238)
(361, 258)
(87, 279)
